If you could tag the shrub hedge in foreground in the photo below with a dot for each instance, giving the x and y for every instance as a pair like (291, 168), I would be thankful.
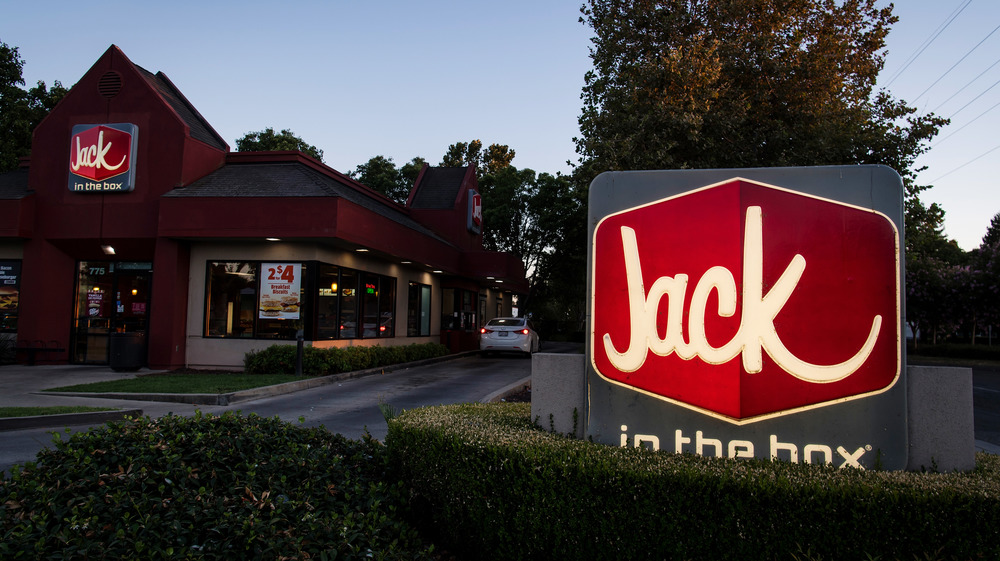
(496, 487)
(206, 487)
(956, 350)
(280, 359)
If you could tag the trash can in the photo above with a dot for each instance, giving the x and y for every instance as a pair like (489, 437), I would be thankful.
(128, 351)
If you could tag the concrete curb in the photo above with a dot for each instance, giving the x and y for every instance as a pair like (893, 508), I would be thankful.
(263, 391)
(66, 419)
(512, 389)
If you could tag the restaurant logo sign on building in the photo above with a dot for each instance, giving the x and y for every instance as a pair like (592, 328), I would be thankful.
(749, 313)
(102, 157)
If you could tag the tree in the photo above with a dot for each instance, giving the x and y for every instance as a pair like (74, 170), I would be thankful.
(986, 286)
(557, 296)
(267, 140)
(496, 157)
(381, 174)
(20, 110)
(992, 236)
(754, 83)
(705, 84)
(410, 171)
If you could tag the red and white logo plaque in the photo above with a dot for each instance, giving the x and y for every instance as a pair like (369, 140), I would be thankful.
(745, 301)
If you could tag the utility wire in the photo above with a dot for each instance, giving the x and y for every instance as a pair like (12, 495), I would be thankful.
(969, 83)
(965, 125)
(974, 99)
(957, 63)
(934, 35)
(995, 148)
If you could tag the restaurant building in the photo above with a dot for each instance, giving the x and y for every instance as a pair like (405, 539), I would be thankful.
(133, 228)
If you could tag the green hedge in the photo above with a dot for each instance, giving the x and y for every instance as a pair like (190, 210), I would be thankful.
(228, 487)
(494, 486)
(280, 359)
(957, 350)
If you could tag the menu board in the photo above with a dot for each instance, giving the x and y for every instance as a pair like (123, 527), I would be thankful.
(279, 290)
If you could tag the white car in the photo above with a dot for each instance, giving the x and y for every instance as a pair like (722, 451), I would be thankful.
(508, 334)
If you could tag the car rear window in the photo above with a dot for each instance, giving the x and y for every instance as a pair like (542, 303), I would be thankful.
(506, 322)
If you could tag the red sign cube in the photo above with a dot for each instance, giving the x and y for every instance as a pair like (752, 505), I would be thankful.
(100, 152)
(745, 301)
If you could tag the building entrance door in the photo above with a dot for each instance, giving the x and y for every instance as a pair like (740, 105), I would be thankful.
(112, 298)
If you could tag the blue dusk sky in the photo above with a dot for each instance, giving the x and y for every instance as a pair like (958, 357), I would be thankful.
(406, 79)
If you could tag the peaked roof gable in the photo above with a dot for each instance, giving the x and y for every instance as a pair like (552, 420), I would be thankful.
(199, 126)
(440, 188)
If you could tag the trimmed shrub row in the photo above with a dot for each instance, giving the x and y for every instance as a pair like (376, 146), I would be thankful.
(280, 359)
(206, 487)
(490, 484)
(958, 350)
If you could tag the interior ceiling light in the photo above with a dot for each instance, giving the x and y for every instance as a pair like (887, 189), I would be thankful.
(107, 249)
(362, 250)
(438, 271)
(273, 239)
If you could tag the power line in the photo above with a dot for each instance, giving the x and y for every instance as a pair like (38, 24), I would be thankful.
(995, 148)
(974, 99)
(965, 125)
(969, 83)
(957, 63)
(934, 35)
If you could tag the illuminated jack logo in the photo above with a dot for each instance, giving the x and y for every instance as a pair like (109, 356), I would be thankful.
(818, 301)
(100, 152)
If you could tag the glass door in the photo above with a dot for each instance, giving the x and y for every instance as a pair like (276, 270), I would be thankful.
(112, 297)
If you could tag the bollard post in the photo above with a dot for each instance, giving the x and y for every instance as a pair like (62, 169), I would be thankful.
(299, 337)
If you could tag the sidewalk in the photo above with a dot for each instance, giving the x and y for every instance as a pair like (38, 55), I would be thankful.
(21, 386)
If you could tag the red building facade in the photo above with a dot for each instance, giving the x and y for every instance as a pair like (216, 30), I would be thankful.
(202, 232)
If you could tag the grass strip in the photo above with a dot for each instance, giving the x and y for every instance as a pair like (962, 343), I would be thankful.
(181, 383)
(7, 412)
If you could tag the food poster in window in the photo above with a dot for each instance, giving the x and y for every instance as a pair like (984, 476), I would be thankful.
(279, 290)
(10, 283)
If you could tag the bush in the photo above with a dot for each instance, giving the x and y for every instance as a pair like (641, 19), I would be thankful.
(228, 487)
(280, 359)
(494, 486)
(956, 350)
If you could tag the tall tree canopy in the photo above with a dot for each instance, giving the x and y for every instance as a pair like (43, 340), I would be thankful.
(267, 140)
(742, 83)
(20, 110)
(750, 83)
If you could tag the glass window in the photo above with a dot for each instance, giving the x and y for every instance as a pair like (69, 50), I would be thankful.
(232, 299)
(281, 288)
(418, 310)
(327, 306)
(387, 307)
(369, 299)
(458, 310)
(275, 300)
(10, 286)
(348, 304)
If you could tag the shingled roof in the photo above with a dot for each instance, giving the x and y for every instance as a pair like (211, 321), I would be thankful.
(293, 179)
(439, 188)
(200, 129)
(14, 184)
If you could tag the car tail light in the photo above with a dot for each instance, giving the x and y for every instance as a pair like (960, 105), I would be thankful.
(524, 331)
(484, 331)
